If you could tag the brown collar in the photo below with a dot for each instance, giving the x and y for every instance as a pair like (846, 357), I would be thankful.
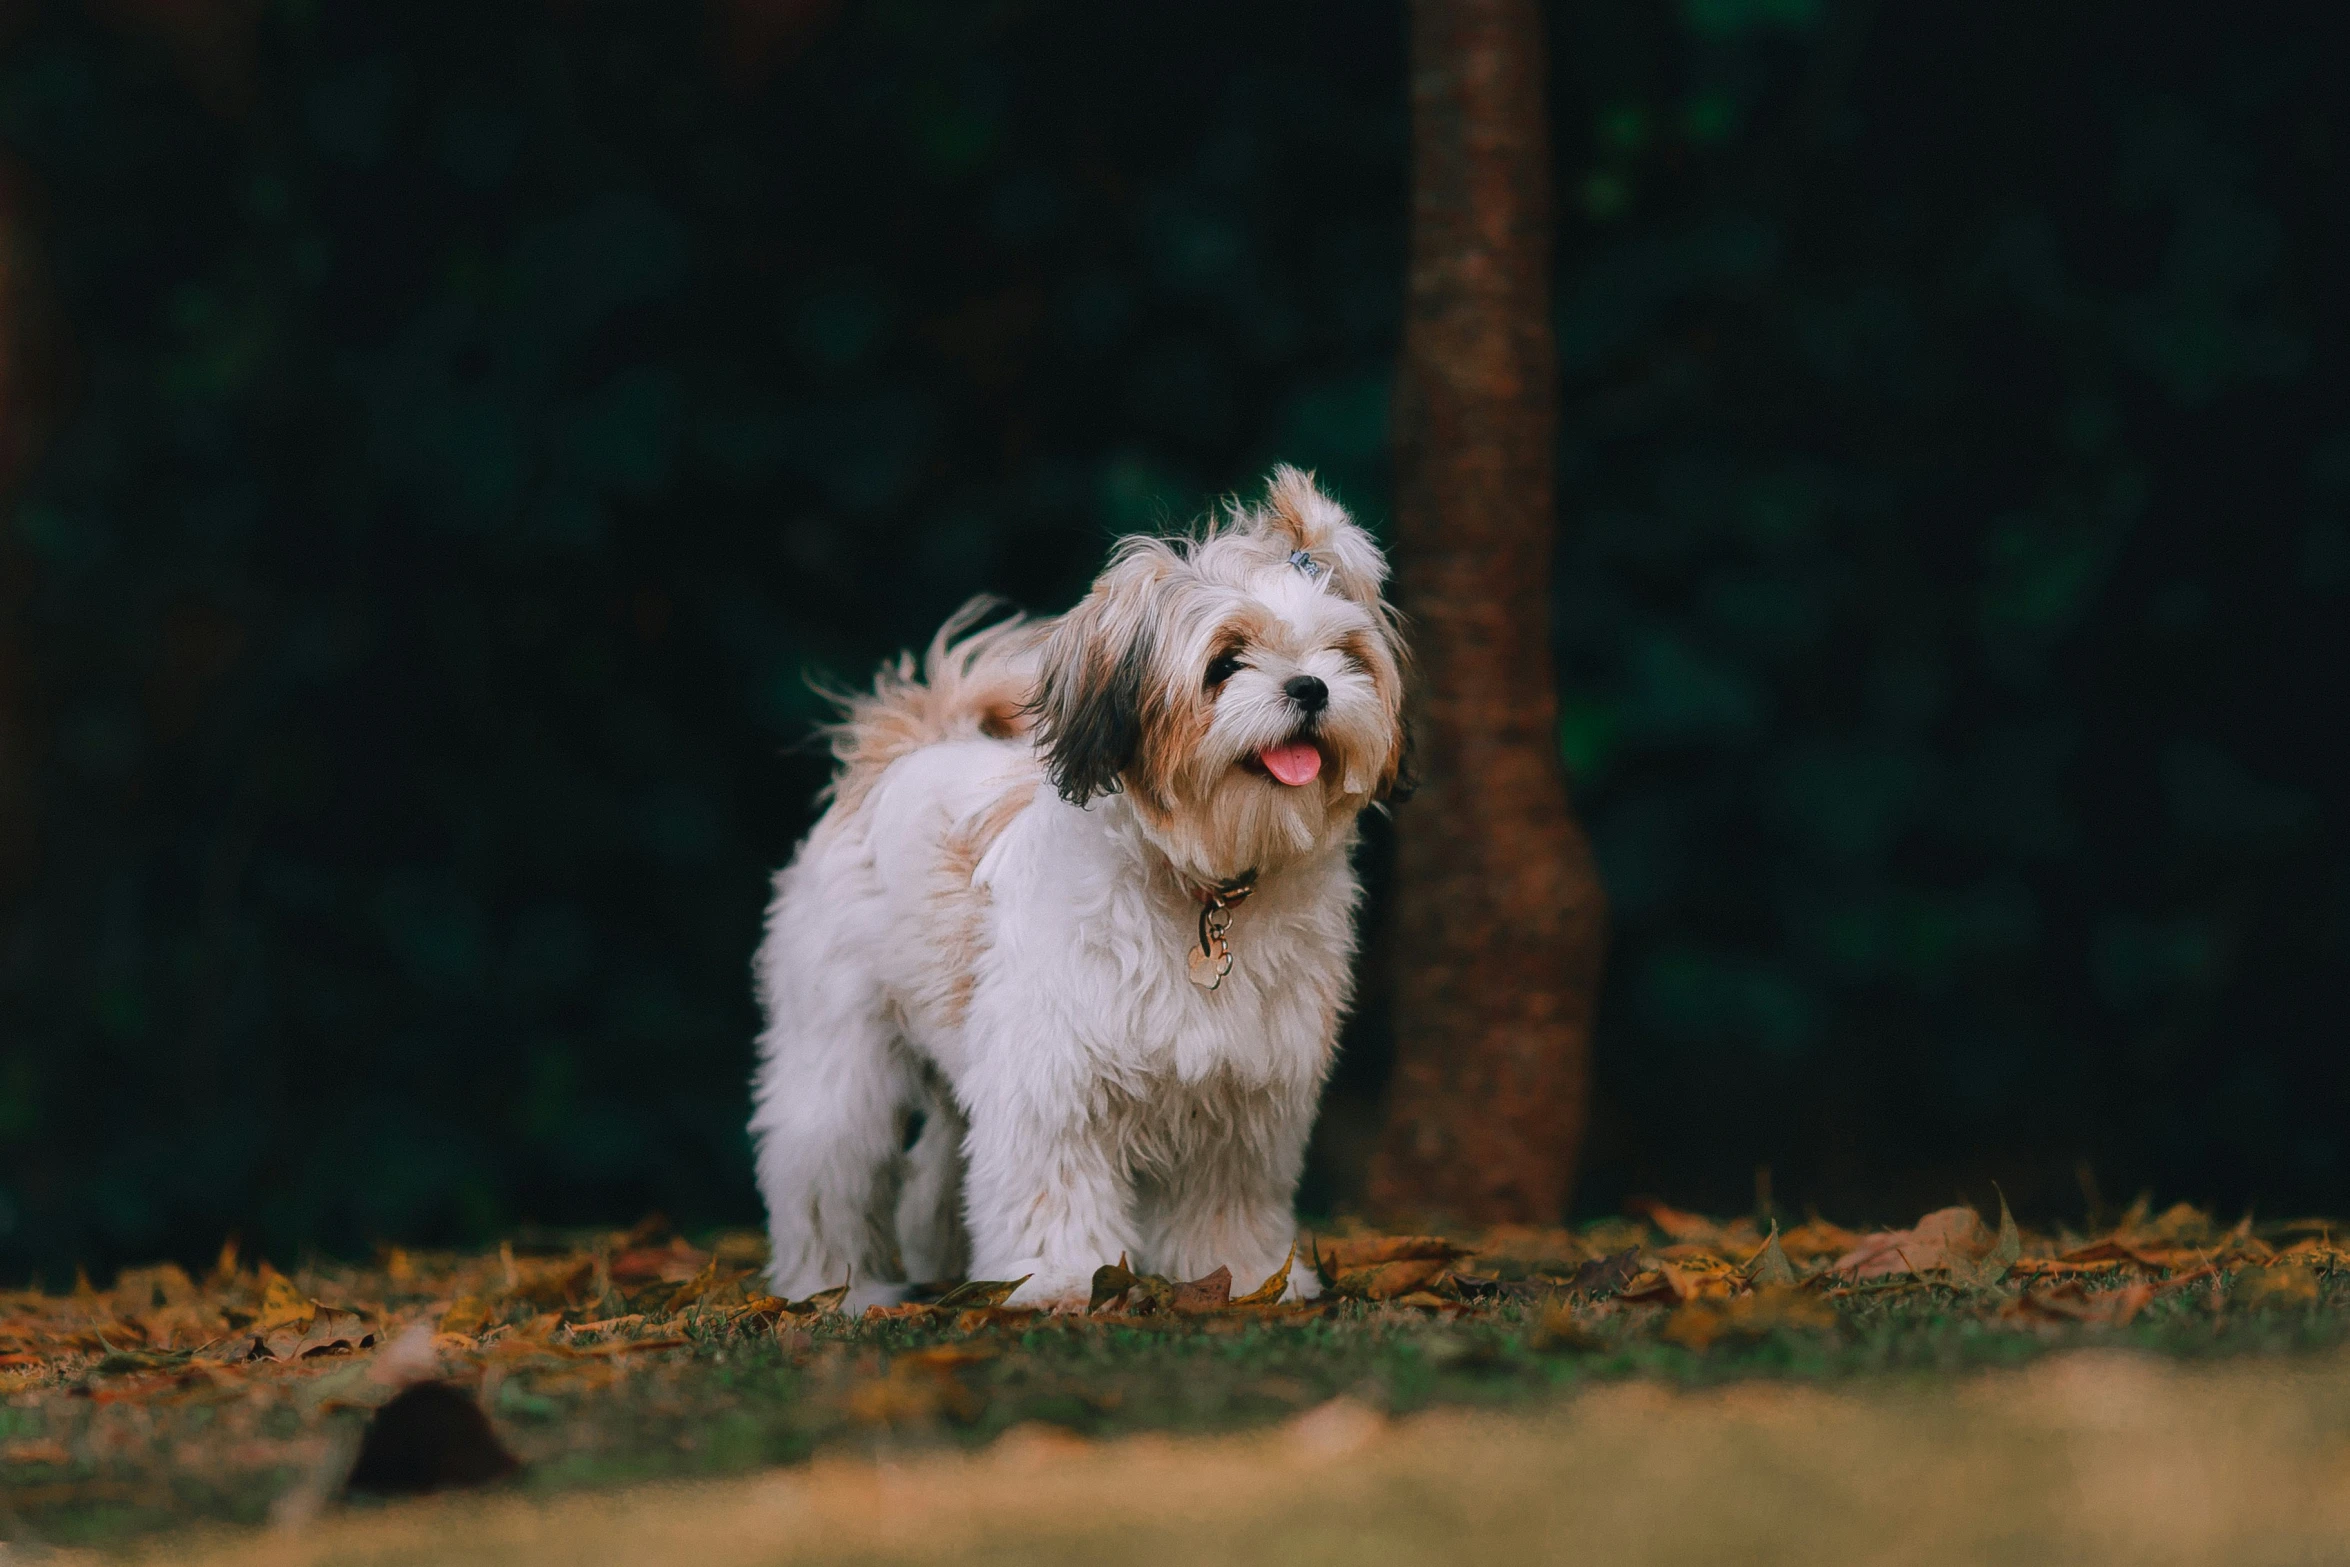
(1223, 894)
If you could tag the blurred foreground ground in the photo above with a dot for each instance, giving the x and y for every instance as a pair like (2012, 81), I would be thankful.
(1643, 1379)
(2089, 1456)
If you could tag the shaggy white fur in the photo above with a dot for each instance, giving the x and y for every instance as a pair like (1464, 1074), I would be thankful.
(988, 1047)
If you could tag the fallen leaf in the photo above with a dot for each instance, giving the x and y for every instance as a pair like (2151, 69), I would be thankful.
(468, 1316)
(144, 1289)
(1422, 1300)
(1816, 1238)
(1212, 1293)
(910, 1311)
(822, 1303)
(1770, 1265)
(1699, 1324)
(281, 1302)
(329, 1330)
(972, 1318)
(1271, 1291)
(980, 1292)
(1605, 1276)
(704, 1283)
(1660, 1285)
(1362, 1252)
(1111, 1281)
(2117, 1251)
(920, 1387)
(1387, 1280)
(551, 1288)
(674, 1263)
(1563, 1328)
(760, 1311)
(1987, 1271)
(1676, 1225)
(2181, 1225)
(2279, 1286)
(2075, 1303)
(1926, 1247)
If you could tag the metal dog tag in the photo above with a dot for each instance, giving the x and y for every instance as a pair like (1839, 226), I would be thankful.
(1211, 960)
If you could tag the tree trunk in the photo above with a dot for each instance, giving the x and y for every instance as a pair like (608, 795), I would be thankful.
(1500, 921)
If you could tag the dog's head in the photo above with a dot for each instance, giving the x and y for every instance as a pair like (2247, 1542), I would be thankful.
(1242, 687)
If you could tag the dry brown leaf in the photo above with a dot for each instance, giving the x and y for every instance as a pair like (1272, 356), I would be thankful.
(694, 1288)
(980, 1292)
(1934, 1242)
(467, 1315)
(2112, 1250)
(1387, 1280)
(674, 1263)
(329, 1331)
(1604, 1276)
(910, 1311)
(1563, 1328)
(2280, 1285)
(1111, 1281)
(1212, 1293)
(557, 1285)
(281, 1302)
(1271, 1291)
(1699, 1324)
(1422, 1300)
(1673, 1223)
(1816, 1238)
(1770, 1266)
(972, 1319)
(1357, 1252)
(2074, 1303)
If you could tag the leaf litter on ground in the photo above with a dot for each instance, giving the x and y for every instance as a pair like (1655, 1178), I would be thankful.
(596, 1356)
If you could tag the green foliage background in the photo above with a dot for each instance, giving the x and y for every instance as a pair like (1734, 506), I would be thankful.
(470, 423)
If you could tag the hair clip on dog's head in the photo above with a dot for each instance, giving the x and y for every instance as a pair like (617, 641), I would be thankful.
(1305, 563)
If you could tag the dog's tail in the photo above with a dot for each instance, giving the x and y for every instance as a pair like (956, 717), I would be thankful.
(967, 684)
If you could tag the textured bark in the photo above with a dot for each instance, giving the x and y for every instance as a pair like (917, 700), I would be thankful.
(1500, 921)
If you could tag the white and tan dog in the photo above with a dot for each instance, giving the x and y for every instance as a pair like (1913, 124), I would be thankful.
(1058, 975)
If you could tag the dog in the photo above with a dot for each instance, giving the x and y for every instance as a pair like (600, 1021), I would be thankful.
(1057, 977)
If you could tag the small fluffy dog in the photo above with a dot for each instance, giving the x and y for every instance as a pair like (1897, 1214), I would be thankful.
(1058, 974)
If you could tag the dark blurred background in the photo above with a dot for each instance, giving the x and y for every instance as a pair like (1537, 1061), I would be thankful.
(440, 438)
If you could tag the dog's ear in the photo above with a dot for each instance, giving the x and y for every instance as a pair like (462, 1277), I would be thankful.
(1315, 531)
(1092, 696)
(1402, 779)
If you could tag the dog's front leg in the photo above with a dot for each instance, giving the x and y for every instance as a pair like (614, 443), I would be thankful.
(1046, 1200)
(1232, 1205)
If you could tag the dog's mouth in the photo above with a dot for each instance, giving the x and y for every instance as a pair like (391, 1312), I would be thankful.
(1292, 764)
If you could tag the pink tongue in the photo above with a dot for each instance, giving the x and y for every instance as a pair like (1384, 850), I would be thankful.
(1295, 763)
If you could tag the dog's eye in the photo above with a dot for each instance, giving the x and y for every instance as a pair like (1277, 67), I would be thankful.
(1222, 668)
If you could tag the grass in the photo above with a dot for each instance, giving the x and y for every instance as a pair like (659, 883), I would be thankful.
(105, 1446)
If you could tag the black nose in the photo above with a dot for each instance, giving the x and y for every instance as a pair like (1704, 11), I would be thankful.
(1308, 692)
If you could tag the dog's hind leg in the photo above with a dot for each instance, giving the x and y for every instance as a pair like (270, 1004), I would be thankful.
(827, 1117)
(930, 1203)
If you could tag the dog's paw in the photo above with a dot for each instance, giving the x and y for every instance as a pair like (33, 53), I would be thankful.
(1049, 1288)
(867, 1293)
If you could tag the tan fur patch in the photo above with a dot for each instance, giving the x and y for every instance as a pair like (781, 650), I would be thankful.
(957, 912)
(964, 686)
